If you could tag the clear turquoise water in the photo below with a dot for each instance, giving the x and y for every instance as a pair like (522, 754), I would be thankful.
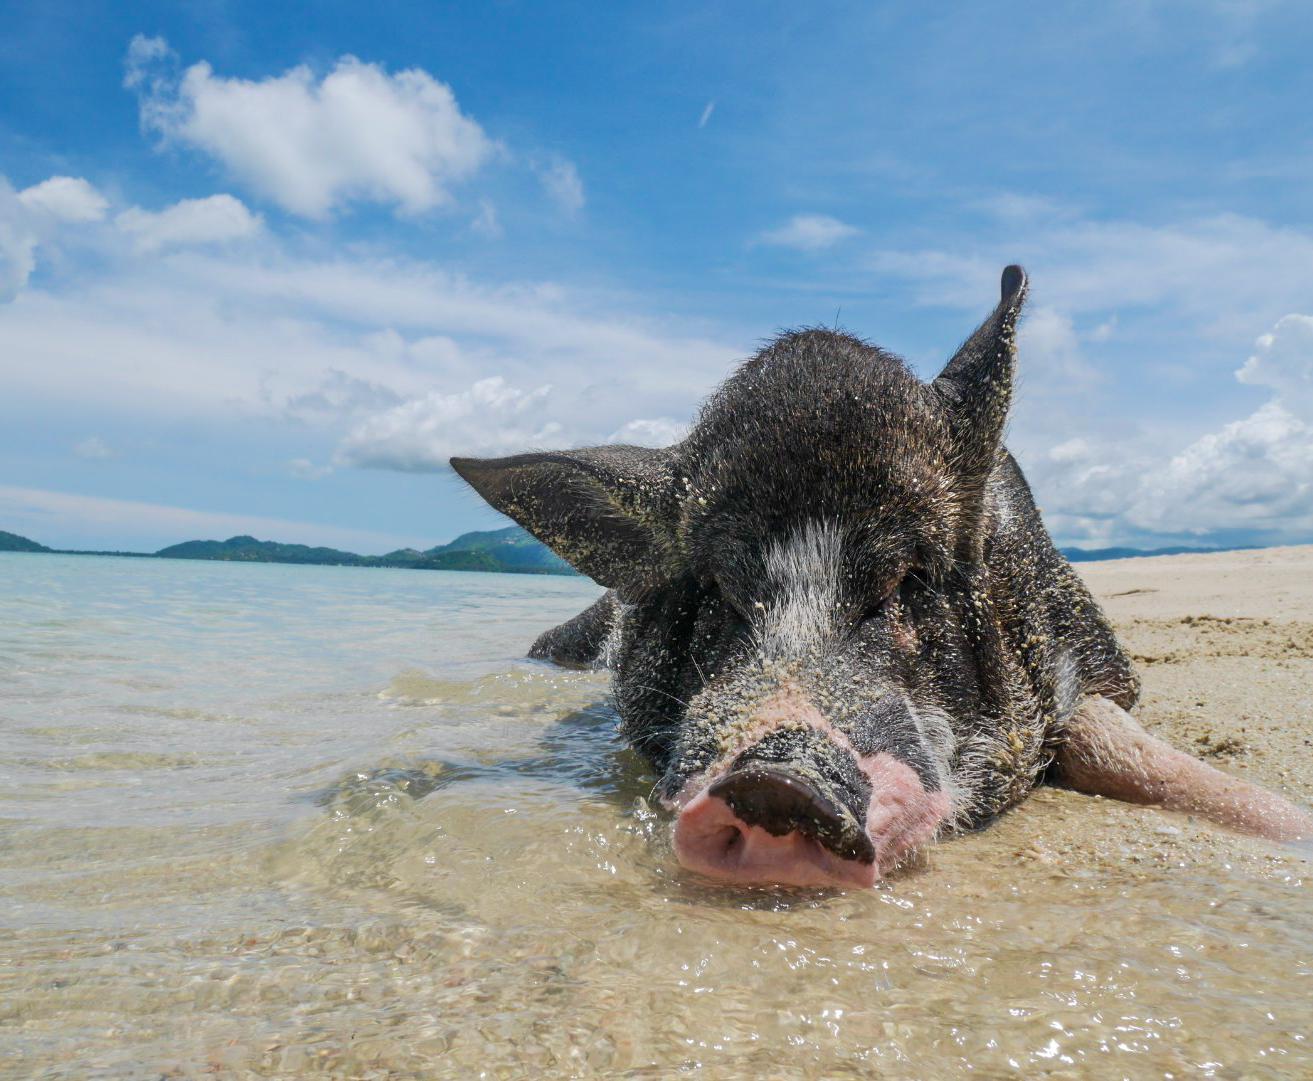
(261, 820)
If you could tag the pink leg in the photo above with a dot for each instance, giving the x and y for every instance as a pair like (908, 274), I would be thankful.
(1107, 753)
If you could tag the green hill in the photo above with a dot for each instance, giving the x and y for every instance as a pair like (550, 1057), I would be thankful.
(509, 550)
(245, 549)
(1090, 555)
(12, 542)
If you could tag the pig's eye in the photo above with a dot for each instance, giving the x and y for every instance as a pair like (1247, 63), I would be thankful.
(879, 604)
(895, 595)
(911, 585)
(734, 605)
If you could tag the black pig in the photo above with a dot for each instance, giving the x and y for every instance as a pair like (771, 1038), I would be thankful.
(837, 625)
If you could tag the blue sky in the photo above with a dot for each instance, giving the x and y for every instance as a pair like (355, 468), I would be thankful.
(263, 268)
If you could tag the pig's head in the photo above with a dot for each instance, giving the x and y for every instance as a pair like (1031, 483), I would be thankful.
(800, 648)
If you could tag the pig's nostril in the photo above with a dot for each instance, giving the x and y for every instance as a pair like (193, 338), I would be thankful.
(799, 849)
(782, 803)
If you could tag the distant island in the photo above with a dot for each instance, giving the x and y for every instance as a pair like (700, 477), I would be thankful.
(1091, 555)
(509, 550)
(12, 542)
(506, 551)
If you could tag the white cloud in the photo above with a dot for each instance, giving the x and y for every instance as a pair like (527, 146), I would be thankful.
(489, 418)
(654, 432)
(809, 232)
(32, 217)
(190, 222)
(339, 395)
(1217, 272)
(1073, 450)
(560, 179)
(146, 61)
(1255, 474)
(1252, 478)
(1283, 361)
(386, 359)
(230, 336)
(18, 243)
(486, 223)
(1052, 348)
(534, 332)
(1105, 330)
(65, 519)
(1129, 339)
(305, 469)
(316, 144)
(92, 449)
(66, 198)
(707, 110)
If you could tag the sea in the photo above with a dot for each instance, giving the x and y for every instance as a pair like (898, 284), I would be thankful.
(260, 820)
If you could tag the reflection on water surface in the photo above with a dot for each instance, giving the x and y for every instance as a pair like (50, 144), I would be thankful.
(320, 821)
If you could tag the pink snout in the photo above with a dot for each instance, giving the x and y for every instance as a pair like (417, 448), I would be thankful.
(766, 827)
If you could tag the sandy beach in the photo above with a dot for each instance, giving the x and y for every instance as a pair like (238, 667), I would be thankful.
(1224, 643)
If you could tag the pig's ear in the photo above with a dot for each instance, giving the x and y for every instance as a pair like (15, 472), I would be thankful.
(977, 383)
(607, 511)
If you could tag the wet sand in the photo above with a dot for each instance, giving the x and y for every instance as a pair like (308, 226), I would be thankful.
(327, 823)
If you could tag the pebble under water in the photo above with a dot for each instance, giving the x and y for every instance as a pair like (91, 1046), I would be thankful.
(273, 821)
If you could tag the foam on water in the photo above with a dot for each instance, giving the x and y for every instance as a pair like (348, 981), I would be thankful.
(303, 821)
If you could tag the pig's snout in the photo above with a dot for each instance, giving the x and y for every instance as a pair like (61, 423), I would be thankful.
(765, 825)
(765, 822)
(800, 805)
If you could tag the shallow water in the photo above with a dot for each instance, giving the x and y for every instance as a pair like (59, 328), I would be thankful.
(262, 820)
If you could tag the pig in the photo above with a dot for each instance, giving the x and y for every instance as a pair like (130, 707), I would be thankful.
(836, 624)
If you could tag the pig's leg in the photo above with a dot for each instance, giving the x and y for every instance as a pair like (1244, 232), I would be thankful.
(1107, 753)
(579, 642)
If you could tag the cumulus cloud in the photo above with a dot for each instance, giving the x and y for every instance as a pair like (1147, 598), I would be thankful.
(213, 220)
(1255, 475)
(66, 198)
(33, 216)
(560, 179)
(1252, 478)
(310, 144)
(18, 241)
(489, 418)
(809, 232)
(1283, 361)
